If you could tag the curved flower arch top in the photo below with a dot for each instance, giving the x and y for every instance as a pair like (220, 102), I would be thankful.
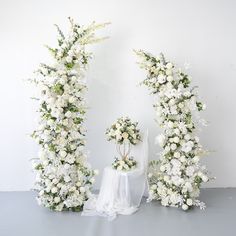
(64, 177)
(177, 178)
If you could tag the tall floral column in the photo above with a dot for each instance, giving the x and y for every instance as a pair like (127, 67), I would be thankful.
(177, 178)
(64, 177)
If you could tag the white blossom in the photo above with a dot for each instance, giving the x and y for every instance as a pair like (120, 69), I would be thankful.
(62, 161)
(180, 174)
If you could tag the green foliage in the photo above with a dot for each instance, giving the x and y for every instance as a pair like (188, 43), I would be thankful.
(199, 106)
(58, 89)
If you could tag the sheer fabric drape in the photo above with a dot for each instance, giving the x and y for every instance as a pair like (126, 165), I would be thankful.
(121, 192)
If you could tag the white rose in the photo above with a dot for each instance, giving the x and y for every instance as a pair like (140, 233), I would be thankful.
(169, 65)
(170, 78)
(47, 189)
(63, 153)
(185, 207)
(82, 189)
(154, 186)
(189, 202)
(173, 146)
(68, 59)
(187, 137)
(187, 94)
(166, 178)
(72, 189)
(68, 114)
(67, 178)
(65, 122)
(54, 189)
(161, 79)
(67, 166)
(167, 148)
(117, 125)
(162, 168)
(126, 166)
(177, 154)
(55, 181)
(72, 99)
(189, 171)
(119, 168)
(177, 131)
(73, 78)
(170, 124)
(50, 122)
(165, 201)
(168, 72)
(204, 178)
(62, 80)
(176, 139)
(125, 135)
(57, 199)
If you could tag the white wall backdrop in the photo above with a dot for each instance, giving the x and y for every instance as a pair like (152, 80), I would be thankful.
(202, 33)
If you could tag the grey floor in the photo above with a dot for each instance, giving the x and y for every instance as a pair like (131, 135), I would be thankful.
(21, 216)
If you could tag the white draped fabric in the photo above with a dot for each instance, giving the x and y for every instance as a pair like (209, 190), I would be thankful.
(121, 192)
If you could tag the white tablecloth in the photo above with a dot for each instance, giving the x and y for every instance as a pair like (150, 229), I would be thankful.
(121, 192)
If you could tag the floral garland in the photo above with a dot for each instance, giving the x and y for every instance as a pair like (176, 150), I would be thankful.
(176, 178)
(64, 177)
(124, 132)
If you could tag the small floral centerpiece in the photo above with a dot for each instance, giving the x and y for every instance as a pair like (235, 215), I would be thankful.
(124, 132)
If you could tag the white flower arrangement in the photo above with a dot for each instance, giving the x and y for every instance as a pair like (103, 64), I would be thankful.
(124, 164)
(124, 132)
(64, 177)
(176, 178)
